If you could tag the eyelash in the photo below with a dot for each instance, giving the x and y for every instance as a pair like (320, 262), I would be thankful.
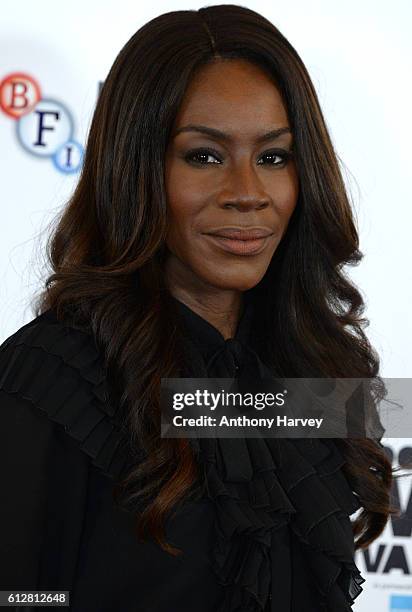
(286, 155)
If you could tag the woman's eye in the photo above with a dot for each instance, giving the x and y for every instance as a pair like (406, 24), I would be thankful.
(275, 156)
(201, 156)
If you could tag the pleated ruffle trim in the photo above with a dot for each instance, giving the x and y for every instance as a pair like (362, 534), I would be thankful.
(260, 485)
(58, 368)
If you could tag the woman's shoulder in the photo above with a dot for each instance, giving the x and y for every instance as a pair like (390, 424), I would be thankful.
(57, 371)
(47, 351)
(53, 336)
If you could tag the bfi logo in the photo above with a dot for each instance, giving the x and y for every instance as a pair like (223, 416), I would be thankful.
(44, 126)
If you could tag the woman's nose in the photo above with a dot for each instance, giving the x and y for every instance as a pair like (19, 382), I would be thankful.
(243, 188)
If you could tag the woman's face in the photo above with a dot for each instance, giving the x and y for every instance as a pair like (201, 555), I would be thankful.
(222, 173)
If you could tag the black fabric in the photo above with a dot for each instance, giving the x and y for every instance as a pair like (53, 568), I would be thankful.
(284, 537)
(271, 533)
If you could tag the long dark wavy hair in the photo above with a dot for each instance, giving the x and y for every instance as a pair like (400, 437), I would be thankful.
(107, 252)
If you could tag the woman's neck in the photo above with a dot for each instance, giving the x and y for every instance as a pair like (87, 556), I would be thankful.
(221, 309)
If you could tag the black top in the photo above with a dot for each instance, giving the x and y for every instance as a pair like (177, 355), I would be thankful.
(271, 533)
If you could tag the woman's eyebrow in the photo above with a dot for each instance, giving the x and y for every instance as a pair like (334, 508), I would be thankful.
(219, 135)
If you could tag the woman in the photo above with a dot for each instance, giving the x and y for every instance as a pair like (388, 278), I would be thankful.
(206, 237)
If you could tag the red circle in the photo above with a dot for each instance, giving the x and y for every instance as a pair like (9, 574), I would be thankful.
(14, 113)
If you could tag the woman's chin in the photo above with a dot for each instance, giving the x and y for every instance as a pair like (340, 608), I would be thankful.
(233, 282)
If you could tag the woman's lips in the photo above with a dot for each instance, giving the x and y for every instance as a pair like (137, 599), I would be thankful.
(239, 247)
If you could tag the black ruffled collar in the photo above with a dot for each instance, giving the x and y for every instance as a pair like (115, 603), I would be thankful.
(209, 354)
(270, 493)
(208, 337)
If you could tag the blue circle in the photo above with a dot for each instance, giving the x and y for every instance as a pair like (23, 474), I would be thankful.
(64, 167)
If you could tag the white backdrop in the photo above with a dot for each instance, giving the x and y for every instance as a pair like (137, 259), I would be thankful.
(359, 56)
